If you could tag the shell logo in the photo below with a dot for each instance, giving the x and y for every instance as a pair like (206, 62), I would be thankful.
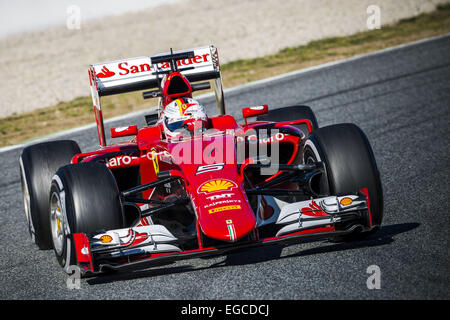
(346, 201)
(106, 238)
(216, 185)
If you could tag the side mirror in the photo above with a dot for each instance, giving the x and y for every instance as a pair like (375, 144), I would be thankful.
(124, 131)
(254, 111)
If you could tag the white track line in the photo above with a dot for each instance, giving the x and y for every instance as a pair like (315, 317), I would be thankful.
(229, 90)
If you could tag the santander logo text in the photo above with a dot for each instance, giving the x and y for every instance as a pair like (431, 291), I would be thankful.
(125, 69)
(128, 68)
(195, 60)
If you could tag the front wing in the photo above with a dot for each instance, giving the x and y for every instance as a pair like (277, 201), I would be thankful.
(149, 245)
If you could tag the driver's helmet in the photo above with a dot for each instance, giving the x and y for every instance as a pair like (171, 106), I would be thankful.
(184, 114)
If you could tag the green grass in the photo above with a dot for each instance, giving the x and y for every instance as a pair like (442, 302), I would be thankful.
(65, 115)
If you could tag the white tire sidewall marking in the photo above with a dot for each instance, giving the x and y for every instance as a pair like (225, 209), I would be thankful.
(310, 144)
(67, 232)
(27, 198)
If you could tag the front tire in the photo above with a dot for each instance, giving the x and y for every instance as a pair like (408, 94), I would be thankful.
(84, 198)
(349, 165)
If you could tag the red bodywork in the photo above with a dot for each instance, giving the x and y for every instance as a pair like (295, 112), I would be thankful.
(148, 147)
(210, 173)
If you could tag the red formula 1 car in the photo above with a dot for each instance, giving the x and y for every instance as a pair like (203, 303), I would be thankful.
(188, 185)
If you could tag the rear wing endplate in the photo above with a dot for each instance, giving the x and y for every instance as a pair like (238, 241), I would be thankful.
(140, 73)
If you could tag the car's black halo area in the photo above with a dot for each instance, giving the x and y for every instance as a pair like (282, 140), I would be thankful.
(38, 164)
(350, 163)
(91, 203)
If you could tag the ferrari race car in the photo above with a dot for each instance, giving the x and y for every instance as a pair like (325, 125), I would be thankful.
(191, 185)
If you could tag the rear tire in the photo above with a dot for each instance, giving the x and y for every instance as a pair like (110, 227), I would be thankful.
(349, 164)
(84, 198)
(38, 163)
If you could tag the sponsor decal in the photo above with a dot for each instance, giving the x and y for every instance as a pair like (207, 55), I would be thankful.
(163, 156)
(105, 73)
(216, 185)
(220, 196)
(119, 161)
(346, 201)
(142, 66)
(278, 137)
(155, 162)
(216, 203)
(106, 238)
(253, 139)
(195, 60)
(125, 69)
(224, 208)
(231, 230)
(183, 106)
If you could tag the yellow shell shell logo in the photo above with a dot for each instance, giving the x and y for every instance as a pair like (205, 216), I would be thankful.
(106, 238)
(217, 185)
(346, 201)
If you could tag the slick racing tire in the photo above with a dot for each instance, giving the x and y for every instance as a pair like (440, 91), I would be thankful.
(349, 166)
(38, 163)
(84, 198)
(292, 113)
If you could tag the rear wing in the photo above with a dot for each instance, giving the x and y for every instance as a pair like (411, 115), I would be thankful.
(144, 73)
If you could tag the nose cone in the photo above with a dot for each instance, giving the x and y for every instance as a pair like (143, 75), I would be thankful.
(224, 214)
(215, 187)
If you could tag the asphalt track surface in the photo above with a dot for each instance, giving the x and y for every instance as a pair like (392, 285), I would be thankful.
(400, 98)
